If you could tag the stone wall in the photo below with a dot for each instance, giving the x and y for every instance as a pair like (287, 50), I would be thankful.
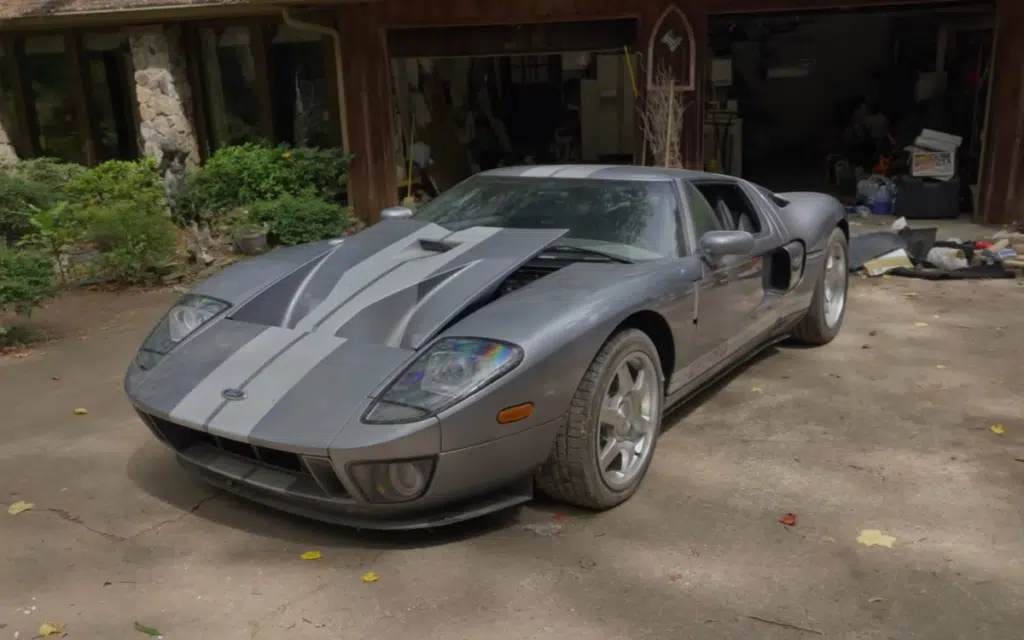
(8, 155)
(164, 94)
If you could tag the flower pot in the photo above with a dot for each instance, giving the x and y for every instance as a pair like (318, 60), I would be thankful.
(250, 241)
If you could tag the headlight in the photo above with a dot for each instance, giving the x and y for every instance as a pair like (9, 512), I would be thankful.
(190, 313)
(447, 372)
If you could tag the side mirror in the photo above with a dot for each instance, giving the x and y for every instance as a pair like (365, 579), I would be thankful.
(395, 213)
(717, 244)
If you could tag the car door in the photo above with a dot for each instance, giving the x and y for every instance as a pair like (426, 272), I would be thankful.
(729, 292)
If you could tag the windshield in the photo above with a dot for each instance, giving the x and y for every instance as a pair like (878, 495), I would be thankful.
(632, 219)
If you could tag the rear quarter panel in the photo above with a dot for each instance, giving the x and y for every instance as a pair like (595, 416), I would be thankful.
(811, 217)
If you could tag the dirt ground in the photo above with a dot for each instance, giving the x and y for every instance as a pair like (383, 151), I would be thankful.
(888, 428)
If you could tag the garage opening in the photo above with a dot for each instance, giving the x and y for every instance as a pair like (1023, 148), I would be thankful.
(475, 98)
(881, 107)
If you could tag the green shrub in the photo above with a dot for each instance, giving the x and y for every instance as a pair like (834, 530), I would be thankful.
(26, 280)
(55, 230)
(241, 175)
(122, 208)
(118, 181)
(133, 242)
(299, 219)
(53, 173)
(18, 198)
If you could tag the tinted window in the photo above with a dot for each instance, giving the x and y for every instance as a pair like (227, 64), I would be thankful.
(704, 218)
(729, 200)
(635, 219)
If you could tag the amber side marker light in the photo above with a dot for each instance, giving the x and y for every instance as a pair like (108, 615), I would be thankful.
(516, 413)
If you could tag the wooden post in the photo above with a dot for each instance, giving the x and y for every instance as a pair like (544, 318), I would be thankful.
(26, 120)
(85, 116)
(258, 43)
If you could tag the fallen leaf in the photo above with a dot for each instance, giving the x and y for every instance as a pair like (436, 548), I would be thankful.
(80, 411)
(920, 324)
(757, 390)
(370, 576)
(149, 631)
(874, 600)
(788, 519)
(312, 555)
(940, 366)
(875, 538)
(557, 516)
(675, 577)
(997, 429)
(51, 628)
(19, 507)
(910, 294)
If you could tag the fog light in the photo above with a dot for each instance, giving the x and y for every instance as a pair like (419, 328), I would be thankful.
(398, 481)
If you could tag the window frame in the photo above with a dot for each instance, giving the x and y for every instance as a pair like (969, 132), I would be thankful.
(765, 224)
(691, 228)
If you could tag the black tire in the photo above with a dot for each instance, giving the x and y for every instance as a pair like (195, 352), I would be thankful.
(813, 329)
(572, 474)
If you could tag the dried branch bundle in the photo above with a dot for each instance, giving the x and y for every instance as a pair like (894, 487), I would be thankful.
(661, 117)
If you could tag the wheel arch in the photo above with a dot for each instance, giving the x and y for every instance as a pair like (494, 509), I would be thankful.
(657, 329)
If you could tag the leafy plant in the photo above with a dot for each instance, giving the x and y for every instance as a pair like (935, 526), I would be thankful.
(122, 208)
(26, 280)
(55, 174)
(136, 242)
(299, 219)
(240, 175)
(55, 230)
(18, 197)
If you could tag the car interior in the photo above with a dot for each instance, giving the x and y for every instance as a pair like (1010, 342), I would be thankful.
(732, 208)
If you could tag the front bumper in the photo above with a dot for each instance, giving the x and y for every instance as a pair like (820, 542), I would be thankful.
(466, 483)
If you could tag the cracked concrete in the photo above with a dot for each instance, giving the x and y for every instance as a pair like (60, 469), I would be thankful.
(868, 433)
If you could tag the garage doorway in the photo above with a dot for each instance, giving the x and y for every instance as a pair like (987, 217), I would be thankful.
(817, 101)
(475, 98)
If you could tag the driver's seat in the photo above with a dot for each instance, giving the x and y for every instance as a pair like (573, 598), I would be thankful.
(724, 215)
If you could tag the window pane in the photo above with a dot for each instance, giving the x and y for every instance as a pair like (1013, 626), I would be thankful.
(113, 101)
(703, 215)
(303, 98)
(230, 77)
(48, 71)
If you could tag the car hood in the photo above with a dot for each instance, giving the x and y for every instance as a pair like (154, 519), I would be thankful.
(296, 361)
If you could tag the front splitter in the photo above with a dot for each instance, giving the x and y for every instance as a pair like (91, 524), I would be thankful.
(516, 494)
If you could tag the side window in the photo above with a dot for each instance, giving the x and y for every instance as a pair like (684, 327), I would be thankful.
(703, 216)
(732, 206)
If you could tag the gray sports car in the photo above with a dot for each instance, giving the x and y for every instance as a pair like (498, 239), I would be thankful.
(525, 330)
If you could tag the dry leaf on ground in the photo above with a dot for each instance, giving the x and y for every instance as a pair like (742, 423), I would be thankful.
(312, 555)
(51, 628)
(788, 519)
(19, 507)
(80, 411)
(370, 576)
(875, 538)
(920, 324)
(997, 429)
(757, 390)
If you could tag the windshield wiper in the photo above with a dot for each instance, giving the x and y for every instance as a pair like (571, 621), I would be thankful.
(566, 248)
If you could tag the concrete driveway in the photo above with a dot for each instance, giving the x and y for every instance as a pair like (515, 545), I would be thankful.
(887, 429)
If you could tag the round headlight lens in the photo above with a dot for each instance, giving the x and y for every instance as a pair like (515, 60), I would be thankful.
(406, 479)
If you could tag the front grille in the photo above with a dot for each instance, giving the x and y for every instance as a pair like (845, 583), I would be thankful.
(181, 438)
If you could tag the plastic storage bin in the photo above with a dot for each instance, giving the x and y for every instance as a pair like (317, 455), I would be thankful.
(925, 198)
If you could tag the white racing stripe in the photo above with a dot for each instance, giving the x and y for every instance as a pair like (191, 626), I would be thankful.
(364, 273)
(542, 172)
(580, 171)
(237, 419)
(405, 276)
(196, 407)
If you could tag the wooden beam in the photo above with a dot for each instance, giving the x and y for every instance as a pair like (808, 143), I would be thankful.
(193, 70)
(491, 40)
(771, 6)
(258, 44)
(26, 121)
(85, 116)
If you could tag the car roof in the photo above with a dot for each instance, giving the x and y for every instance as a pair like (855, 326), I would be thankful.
(598, 172)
